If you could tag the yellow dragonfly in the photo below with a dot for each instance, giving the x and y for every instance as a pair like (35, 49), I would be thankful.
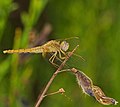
(57, 47)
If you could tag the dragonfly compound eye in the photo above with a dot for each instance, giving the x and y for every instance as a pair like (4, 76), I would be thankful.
(64, 46)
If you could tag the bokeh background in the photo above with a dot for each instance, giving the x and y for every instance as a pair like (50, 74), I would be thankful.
(28, 23)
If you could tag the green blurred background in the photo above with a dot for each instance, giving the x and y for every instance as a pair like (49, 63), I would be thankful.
(23, 22)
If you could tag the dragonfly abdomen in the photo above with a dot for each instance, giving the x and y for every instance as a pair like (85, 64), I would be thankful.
(31, 50)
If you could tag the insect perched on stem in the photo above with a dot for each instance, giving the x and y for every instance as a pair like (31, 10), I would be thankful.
(54, 46)
(57, 47)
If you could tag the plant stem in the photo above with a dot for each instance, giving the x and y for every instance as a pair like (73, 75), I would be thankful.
(53, 76)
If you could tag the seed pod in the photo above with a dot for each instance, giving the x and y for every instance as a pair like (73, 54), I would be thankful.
(84, 81)
(102, 98)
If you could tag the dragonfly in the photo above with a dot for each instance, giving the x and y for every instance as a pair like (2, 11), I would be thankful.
(57, 47)
(101, 97)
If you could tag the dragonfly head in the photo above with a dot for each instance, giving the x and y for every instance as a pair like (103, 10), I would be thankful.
(64, 45)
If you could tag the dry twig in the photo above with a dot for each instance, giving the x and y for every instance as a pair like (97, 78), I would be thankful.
(61, 90)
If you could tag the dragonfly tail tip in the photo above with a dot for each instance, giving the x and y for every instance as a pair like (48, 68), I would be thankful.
(4, 52)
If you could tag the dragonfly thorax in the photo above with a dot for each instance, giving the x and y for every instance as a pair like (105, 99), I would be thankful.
(64, 45)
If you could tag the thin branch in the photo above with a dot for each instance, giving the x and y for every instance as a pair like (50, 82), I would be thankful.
(53, 76)
(61, 90)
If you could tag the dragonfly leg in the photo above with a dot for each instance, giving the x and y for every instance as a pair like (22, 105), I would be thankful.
(61, 57)
(52, 58)
(54, 64)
